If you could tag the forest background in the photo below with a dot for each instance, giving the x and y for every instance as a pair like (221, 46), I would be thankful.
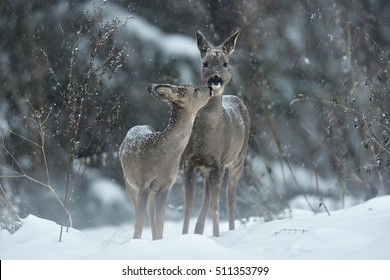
(73, 75)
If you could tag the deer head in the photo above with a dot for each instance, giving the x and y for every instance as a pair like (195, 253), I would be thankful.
(215, 61)
(194, 97)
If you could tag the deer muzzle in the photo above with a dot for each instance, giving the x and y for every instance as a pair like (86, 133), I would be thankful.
(215, 82)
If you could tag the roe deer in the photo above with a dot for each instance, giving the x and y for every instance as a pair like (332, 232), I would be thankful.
(150, 160)
(219, 138)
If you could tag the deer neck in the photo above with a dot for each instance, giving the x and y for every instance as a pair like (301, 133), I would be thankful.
(178, 131)
(210, 114)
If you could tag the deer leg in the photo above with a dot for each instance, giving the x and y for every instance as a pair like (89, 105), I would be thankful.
(152, 212)
(140, 213)
(213, 181)
(216, 179)
(234, 175)
(133, 194)
(231, 198)
(161, 198)
(199, 227)
(189, 190)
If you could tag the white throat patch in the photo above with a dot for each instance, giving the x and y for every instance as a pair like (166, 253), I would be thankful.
(213, 86)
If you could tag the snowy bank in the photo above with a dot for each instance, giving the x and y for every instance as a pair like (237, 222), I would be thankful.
(359, 232)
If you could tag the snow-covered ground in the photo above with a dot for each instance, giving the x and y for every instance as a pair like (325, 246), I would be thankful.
(359, 232)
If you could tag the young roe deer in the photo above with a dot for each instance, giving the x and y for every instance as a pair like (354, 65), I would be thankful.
(150, 160)
(219, 138)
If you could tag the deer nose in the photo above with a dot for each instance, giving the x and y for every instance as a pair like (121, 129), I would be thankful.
(215, 80)
(149, 87)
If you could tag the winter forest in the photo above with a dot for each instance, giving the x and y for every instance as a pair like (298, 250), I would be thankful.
(314, 76)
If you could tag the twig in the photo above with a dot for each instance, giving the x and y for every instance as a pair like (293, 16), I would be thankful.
(290, 231)
(321, 198)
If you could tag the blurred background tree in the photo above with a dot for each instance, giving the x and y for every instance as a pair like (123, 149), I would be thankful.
(313, 74)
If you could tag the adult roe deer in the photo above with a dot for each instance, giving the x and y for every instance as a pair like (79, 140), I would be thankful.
(150, 160)
(219, 138)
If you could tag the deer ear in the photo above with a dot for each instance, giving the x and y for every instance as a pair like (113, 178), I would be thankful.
(230, 43)
(163, 92)
(202, 43)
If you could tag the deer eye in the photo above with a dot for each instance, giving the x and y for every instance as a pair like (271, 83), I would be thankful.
(205, 65)
(225, 64)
